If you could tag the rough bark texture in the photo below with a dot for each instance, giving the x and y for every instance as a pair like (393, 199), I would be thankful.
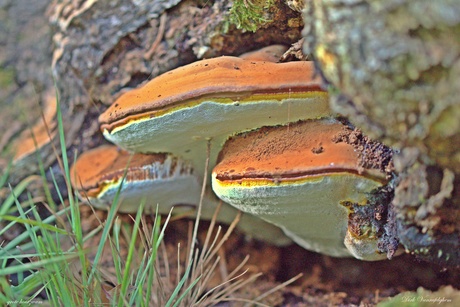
(85, 34)
(394, 67)
(26, 48)
(102, 48)
(25, 60)
(399, 62)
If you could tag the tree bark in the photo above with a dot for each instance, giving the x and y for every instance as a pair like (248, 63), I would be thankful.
(394, 70)
(101, 48)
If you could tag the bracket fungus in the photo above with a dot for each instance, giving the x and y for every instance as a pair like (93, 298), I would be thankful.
(98, 173)
(181, 110)
(272, 53)
(39, 135)
(298, 178)
(161, 180)
(279, 162)
(36, 139)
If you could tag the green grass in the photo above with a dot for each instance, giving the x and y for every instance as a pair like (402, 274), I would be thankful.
(50, 254)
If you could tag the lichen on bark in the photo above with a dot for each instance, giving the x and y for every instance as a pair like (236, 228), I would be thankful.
(399, 63)
(393, 68)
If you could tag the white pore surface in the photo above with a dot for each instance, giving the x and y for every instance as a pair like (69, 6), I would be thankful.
(309, 212)
(183, 193)
(185, 133)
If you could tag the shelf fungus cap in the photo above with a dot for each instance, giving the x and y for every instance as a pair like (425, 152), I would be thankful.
(297, 177)
(226, 79)
(212, 99)
(39, 136)
(167, 180)
(272, 53)
(161, 180)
